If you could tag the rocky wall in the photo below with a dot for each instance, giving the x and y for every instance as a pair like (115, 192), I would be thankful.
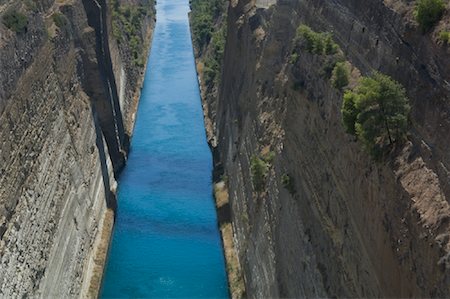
(351, 227)
(63, 142)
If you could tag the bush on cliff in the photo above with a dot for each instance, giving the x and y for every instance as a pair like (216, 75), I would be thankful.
(126, 26)
(288, 183)
(376, 112)
(213, 61)
(428, 13)
(340, 75)
(15, 21)
(320, 43)
(259, 169)
(211, 70)
(444, 37)
(209, 30)
(59, 19)
(203, 14)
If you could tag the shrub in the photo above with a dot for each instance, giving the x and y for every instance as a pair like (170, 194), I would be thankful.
(15, 21)
(444, 37)
(328, 65)
(288, 183)
(268, 157)
(205, 32)
(294, 58)
(126, 26)
(340, 75)
(224, 178)
(428, 13)
(59, 19)
(31, 5)
(349, 112)
(320, 43)
(203, 14)
(214, 59)
(376, 112)
(202, 29)
(211, 70)
(259, 170)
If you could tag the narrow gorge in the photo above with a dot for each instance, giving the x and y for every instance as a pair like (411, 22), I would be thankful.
(166, 243)
(327, 123)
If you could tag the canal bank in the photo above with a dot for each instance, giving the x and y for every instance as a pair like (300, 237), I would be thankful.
(166, 242)
(209, 92)
(96, 263)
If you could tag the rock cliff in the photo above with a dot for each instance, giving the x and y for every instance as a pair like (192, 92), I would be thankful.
(68, 91)
(330, 221)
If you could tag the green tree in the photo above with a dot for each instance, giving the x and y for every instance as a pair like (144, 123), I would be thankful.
(349, 111)
(203, 14)
(16, 21)
(377, 112)
(428, 12)
(340, 75)
(320, 43)
(259, 170)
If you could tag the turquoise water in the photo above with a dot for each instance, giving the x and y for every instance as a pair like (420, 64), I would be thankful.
(166, 242)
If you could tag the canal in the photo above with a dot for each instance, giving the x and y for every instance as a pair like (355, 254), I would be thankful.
(166, 242)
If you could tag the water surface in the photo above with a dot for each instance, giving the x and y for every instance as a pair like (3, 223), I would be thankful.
(166, 242)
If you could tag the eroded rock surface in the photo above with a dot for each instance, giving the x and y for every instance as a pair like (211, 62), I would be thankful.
(67, 95)
(352, 227)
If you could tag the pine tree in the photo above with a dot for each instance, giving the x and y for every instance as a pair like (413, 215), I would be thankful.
(376, 112)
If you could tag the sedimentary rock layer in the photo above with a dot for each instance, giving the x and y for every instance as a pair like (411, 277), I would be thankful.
(352, 227)
(63, 134)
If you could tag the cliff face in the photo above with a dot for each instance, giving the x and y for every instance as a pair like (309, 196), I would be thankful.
(65, 122)
(348, 226)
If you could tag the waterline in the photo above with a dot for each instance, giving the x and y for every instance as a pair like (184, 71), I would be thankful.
(166, 242)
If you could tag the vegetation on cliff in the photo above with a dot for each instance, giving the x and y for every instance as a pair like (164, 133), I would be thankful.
(204, 12)
(126, 26)
(320, 43)
(340, 76)
(259, 169)
(59, 19)
(376, 112)
(444, 37)
(209, 29)
(15, 21)
(429, 12)
(288, 182)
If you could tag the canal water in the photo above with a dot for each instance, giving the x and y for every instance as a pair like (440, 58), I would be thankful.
(166, 243)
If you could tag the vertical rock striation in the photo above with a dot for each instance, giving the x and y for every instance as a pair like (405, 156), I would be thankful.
(343, 225)
(63, 139)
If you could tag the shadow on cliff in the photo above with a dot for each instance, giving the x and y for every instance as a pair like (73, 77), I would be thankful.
(100, 85)
(111, 202)
(224, 213)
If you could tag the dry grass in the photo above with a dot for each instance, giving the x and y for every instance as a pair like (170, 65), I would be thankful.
(221, 194)
(234, 272)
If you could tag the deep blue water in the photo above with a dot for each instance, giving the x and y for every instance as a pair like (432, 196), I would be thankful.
(166, 242)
